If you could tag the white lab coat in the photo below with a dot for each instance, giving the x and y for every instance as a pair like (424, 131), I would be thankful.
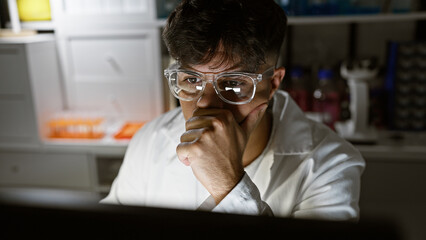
(306, 171)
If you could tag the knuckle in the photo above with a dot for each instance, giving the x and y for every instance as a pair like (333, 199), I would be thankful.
(180, 148)
(207, 134)
(197, 148)
(217, 123)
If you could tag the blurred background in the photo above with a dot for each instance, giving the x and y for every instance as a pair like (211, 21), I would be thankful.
(79, 77)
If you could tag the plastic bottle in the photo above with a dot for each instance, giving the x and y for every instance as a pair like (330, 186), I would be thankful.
(326, 98)
(367, 6)
(299, 90)
(318, 7)
(401, 6)
(293, 7)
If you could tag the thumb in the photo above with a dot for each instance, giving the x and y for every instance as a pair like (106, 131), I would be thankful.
(253, 118)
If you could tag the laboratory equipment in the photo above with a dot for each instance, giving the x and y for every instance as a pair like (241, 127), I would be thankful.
(358, 74)
(298, 89)
(326, 98)
(406, 86)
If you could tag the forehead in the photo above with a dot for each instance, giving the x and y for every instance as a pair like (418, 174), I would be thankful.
(207, 68)
(219, 63)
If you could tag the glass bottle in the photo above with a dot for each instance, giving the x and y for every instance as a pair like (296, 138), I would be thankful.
(299, 89)
(326, 98)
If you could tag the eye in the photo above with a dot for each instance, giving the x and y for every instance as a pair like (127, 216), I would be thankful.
(232, 83)
(192, 80)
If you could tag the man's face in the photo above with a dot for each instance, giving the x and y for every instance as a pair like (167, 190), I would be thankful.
(209, 98)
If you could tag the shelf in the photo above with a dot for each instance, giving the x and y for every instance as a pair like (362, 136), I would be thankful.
(37, 25)
(50, 25)
(98, 147)
(383, 17)
(335, 19)
(107, 145)
(302, 20)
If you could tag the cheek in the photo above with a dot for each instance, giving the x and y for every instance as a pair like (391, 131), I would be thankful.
(262, 96)
(263, 91)
(240, 111)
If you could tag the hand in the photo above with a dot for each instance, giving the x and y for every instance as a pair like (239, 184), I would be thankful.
(213, 145)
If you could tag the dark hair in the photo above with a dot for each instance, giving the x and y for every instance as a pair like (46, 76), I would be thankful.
(247, 32)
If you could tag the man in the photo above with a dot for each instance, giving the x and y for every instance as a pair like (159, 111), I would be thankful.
(237, 144)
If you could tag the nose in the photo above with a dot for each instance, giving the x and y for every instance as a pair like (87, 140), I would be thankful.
(209, 98)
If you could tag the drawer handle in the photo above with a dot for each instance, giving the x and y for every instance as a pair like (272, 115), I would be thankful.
(114, 64)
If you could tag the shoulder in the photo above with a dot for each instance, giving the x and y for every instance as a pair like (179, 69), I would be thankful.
(163, 130)
(167, 123)
(330, 150)
(168, 120)
(295, 134)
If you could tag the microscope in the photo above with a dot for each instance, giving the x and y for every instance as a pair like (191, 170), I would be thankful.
(358, 74)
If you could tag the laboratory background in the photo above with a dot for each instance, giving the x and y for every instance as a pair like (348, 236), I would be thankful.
(79, 77)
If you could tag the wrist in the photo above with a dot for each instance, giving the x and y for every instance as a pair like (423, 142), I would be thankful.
(225, 188)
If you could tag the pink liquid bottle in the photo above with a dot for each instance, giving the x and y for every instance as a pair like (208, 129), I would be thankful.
(326, 98)
(299, 90)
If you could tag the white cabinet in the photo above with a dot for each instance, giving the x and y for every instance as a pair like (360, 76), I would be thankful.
(124, 57)
(54, 170)
(116, 74)
(111, 57)
(29, 88)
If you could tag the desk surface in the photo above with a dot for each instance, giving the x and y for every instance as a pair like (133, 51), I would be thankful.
(396, 146)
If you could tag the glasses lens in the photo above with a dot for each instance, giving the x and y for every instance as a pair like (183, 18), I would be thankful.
(186, 85)
(235, 88)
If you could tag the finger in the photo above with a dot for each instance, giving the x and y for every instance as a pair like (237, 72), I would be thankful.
(206, 112)
(198, 122)
(188, 152)
(223, 115)
(183, 153)
(191, 135)
(253, 117)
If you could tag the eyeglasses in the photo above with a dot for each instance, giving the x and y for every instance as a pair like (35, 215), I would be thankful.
(232, 87)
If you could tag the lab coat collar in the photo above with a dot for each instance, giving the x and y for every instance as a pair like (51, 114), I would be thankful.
(175, 125)
(291, 129)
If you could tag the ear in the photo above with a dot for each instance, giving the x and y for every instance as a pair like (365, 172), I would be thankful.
(276, 80)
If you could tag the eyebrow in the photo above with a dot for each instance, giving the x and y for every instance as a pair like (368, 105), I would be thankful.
(234, 68)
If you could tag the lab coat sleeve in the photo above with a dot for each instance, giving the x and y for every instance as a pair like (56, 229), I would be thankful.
(244, 199)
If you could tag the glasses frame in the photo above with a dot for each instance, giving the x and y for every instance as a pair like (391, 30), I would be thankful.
(255, 77)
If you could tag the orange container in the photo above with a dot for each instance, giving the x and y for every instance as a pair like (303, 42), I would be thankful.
(128, 130)
(81, 128)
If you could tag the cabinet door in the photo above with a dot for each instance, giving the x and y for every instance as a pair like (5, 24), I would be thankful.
(13, 70)
(111, 58)
(118, 74)
(17, 116)
(45, 170)
(17, 122)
